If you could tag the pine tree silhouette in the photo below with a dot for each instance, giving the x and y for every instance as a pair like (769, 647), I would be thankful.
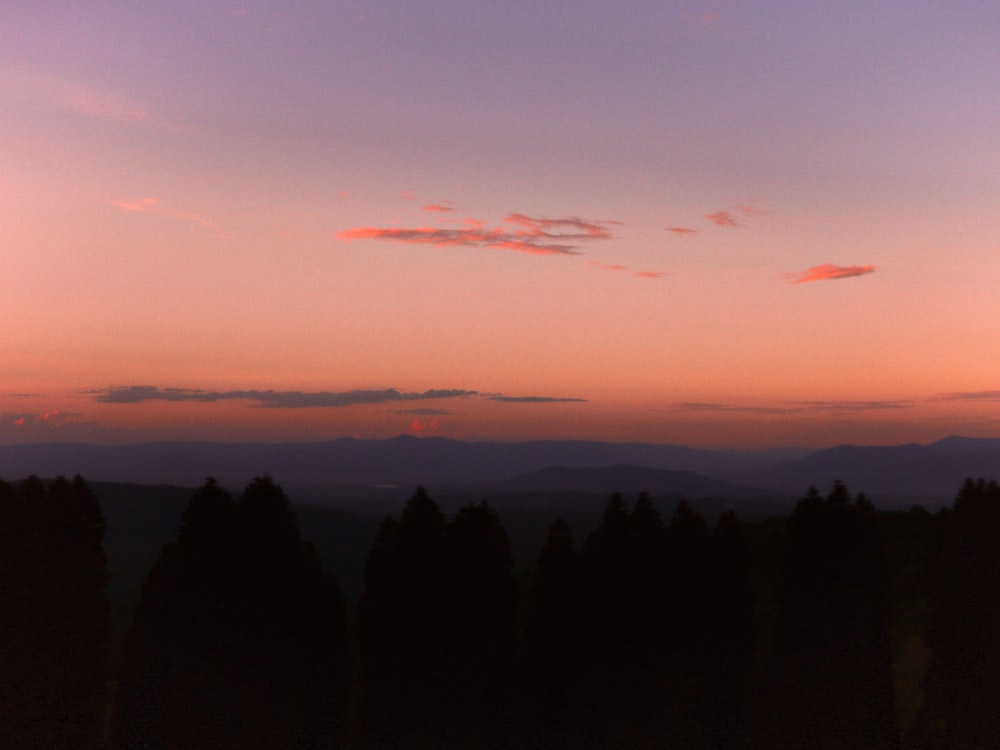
(552, 646)
(625, 629)
(609, 667)
(828, 682)
(240, 637)
(687, 631)
(437, 620)
(481, 615)
(54, 616)
(961, 706)
(730, 635)
(401, 618)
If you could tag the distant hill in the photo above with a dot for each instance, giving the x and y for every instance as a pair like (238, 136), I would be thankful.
(384, 472)
(404, 461)
(624, 478)
(930, 474)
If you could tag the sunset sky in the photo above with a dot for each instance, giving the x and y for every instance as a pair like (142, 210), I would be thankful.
(715, 223)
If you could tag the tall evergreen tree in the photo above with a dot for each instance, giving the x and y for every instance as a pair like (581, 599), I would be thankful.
(240, 637)
(828, 682)
(437, 622)
(54, 616)
(181, 673)
(609, 665)
(552, 646)
(730, 636)
(961, 706)
(481, 615)
(402, 624)
(626, 615)
(688, 629)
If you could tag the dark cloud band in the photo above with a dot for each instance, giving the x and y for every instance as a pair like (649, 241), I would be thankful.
(134, 394)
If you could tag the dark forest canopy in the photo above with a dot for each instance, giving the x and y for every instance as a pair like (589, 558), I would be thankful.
(839, 626)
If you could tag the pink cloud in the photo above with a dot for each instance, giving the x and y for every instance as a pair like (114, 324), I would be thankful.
(532, 235)
(145, 204)
(752, 210)
(579, 229)
(723, 219)
(153, 206)
(456, 237)
(682, 231)
(829, 272)
(607, 266)
(425, 427)
(443, 207)
(55, 417)
(650, 274)
(83, 99)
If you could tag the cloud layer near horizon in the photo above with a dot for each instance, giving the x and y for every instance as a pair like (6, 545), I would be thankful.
(25, 419)
(134, 394)
(967, 396)
(798, 407)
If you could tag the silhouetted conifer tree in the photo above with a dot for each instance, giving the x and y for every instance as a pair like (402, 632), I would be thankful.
(240, 637)
(961, 706)
(436, 621)
(625, 628)
(402, 624)
(181, 673)
(481, 612)
(54, 616)
(828, 682)
(609, 665)
(730, 635)
(690, 657)
(552, 646)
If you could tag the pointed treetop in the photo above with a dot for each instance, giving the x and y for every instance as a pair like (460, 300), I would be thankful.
(615, 512)
(422, 511)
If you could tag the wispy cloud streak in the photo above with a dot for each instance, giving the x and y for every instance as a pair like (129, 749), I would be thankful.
(272, 399)
(534, 399)
(134, 394)
(853, 407)
(84, 99)
(729, 408)
(517, 232)
(29, 419)
(727, 218)
(797, 407)
(967, 396)
(607, 266)
(154, 207)
(619, 267)
(829, 272)
(723, 219)
(421, 412)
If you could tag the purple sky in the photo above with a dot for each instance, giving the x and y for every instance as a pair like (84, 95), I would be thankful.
(722, 223)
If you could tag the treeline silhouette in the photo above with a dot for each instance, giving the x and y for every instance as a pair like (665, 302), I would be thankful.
(651, 633)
